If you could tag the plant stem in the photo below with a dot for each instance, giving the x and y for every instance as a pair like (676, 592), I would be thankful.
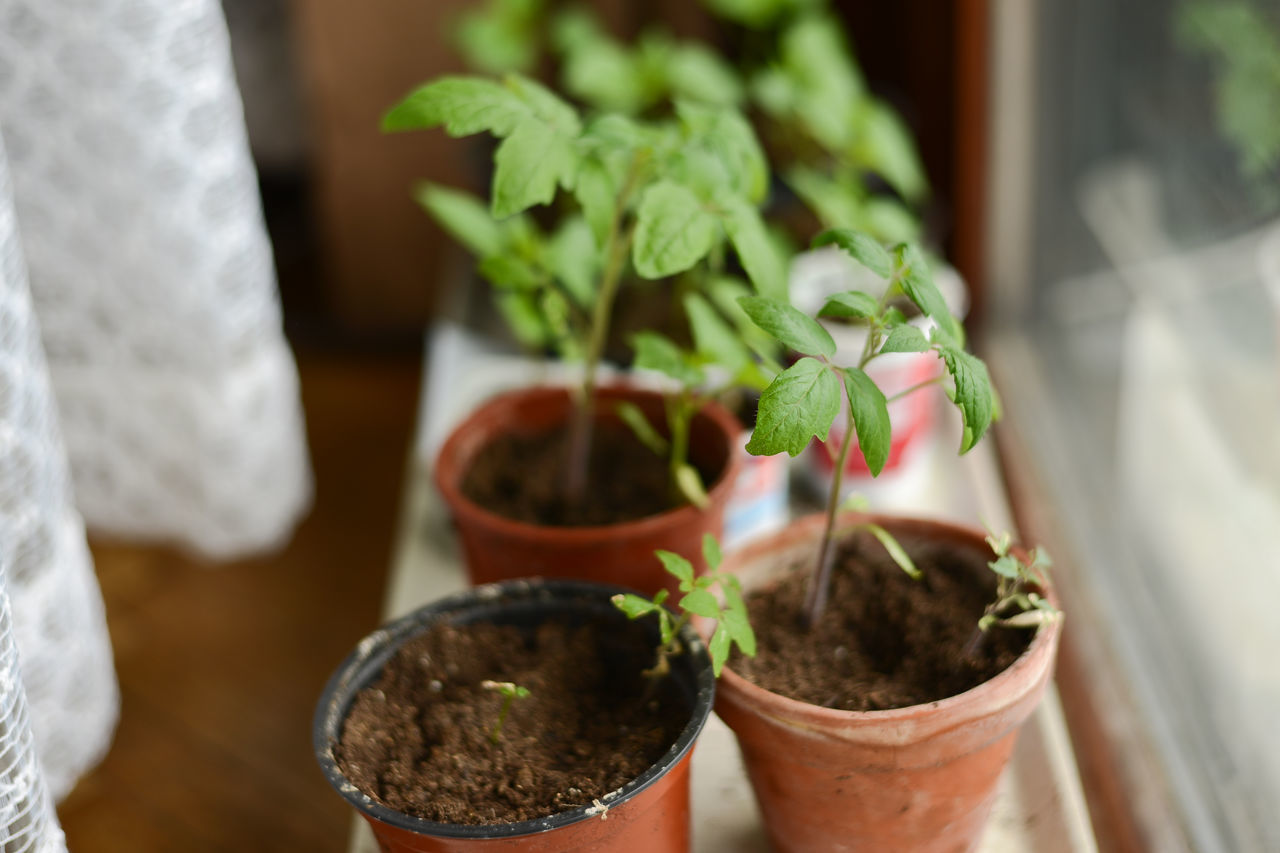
(914, 388)
(974, 644)
(580, 427)
(820, 584)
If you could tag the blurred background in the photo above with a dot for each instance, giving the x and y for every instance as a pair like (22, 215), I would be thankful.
(1104, 176)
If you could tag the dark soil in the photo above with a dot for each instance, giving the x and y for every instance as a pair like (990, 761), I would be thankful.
(418, 739)
(885, 640)
(521, 476)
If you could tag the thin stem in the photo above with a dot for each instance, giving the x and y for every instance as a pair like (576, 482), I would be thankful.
(820, 585)
(617, 245)
(914, 388)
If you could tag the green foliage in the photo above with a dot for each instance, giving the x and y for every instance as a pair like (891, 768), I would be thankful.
(728, 609)
(509, 692)
(798, 406)
(1016, 605)
(501, 36)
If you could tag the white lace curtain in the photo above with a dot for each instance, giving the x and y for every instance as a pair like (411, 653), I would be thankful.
(138, 310)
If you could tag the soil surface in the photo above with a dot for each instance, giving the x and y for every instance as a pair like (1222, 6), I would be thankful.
(521, 476)
(419, 738)
(885, 640)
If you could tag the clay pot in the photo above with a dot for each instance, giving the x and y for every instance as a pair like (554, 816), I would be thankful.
(650, 814)
(921, 778)
(497, 548)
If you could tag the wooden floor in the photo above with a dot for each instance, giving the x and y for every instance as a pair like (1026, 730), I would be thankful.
(220, 665)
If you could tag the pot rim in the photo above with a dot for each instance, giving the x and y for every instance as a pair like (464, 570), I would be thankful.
(477, 515)
(372, 652)
(999, 690)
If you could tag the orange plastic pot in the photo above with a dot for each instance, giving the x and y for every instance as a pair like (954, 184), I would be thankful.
(921, 778)
(497, 548)
(650, 814)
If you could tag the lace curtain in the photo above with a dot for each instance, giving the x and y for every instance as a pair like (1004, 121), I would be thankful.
(157, 388)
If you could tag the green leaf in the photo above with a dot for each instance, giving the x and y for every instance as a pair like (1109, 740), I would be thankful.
(725, 291)
(545, 104)
(634, 418)
(689, 482)
(852, 304)
(917, 283)
(896, 552)
(633, 605)
(888, 220)
(1006, 566)
(972, 393)
(735, 152)
(605, 75)
(905, 339)
(655, 351)
(510, 272)
(718, 649)
(750, 239)
(500, 37)
(673, 232)
(790, 326)
(827, 83)
(863, 248)
(528, 165)
(713, 338)
(597, 195)
(870, 417)
(694, 71)
(464, 105)
(711, 552)
(572, 255)
(735, 623)
(676, 566)
(798, 405)
(463, 215)
(884, 145)
(702, 603)
(831, 201)
(520, 311)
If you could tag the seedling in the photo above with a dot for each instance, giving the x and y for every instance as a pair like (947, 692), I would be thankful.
(654, 199)
(729, 610)
(804, 400)
(1015, 605)
(510, 692)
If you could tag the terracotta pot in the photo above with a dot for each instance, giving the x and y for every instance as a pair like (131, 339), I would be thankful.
(921, 778)
(650, 814)
(497, 548)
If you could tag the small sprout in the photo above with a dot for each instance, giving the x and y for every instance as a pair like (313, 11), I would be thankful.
(1015, 606)
(510, 692)
(729, 610)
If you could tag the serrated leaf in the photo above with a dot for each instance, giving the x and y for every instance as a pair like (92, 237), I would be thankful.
(673, 231)
(713, 338)
(852, 305)
(702, 603)
(689, 482)
(676, 566)
(528, 166)
(895, 549)
(725, 291)
(711, 552)
(971, 392)
(863, 248)
(790, 326)
(655, 351)
(905, 339)
(718, 649)
(917, 283)
(633, 605)
(737, 160)
(870, 417)
(798, 405)
(464, 105)
(572, 255)
(755, 250)
(463, 215)
(633, 417)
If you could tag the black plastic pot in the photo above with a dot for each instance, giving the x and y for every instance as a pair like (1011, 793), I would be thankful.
(650, 814)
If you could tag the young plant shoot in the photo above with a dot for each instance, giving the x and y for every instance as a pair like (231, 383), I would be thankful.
(803, 401)
(654, 199)
(509, 692)
(729, 610)
(1015, 605)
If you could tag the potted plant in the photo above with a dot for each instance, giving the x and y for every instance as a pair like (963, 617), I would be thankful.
(671, 197)
(536, 713)
(892, 670)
